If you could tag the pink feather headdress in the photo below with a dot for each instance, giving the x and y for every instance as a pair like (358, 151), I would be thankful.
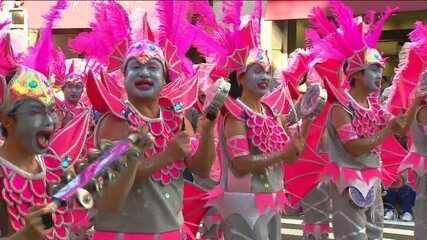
(113, 41)
(229, 45)
(409, 73)
(67, 70)
(30, 79)
(345, 39)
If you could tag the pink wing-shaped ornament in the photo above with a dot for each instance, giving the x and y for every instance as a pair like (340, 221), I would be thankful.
(302, 176)
(66, 146)
(392, 153)
(102, 100)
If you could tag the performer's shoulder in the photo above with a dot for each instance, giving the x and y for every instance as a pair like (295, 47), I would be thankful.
(112, 127)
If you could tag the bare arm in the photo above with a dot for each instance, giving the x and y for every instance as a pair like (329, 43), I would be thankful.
(357, 146)
(201, 162)
(115, 194)
(255, 163)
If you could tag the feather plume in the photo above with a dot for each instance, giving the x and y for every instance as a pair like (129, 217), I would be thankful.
(319, 21)
(256, 22)
(41, 56)
(111, 27)
(58, 68)
(419, 33)
(350, 39)
(232, 11)
(202, 13)
(375, 29)
(174, 25)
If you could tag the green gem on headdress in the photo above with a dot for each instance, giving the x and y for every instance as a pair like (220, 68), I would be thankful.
(33, 84)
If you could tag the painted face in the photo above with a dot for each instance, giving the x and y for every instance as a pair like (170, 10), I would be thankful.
(372, 77)
(73, 91)
(257, 80)
(34, 125)
(144, 80)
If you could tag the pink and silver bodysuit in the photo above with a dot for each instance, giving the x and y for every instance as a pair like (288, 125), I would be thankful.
(153, 208)
(262, 194)
(356, 179)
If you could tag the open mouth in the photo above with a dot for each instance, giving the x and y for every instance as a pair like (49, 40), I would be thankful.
(262, 85)
(378, 84)
(144, 84)
(43, 138)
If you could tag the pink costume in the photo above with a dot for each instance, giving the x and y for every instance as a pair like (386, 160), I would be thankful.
(69, 71)
(233, 48)
(410, 77)
(356, 191)
(154, 208)
(19, 189)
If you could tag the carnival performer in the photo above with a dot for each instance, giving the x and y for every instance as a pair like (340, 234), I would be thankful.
(69, 77)
(253, 142)
(158, 93)
(410, 80)
(27, 119)
(352, 69)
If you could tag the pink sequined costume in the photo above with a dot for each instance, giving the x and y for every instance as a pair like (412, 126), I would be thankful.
(410, 77)
(19, 189)
(154, 207)
(354, 179)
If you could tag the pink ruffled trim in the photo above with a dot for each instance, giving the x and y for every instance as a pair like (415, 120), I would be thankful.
(237, 146)
(347, 133)
(345, 177)
(274, 201)
(172, 235)
(317, 228)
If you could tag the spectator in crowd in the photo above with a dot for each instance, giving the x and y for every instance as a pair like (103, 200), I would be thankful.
(402, 195)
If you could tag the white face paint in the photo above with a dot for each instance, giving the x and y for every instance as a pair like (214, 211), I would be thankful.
(372, 77)
(257, 80)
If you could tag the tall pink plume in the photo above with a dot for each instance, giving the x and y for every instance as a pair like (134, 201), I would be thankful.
(41, 56)
(256, 21)
(375, 28)
(174, 25)
(203, 13)
(8, 62)
(209, 34)
(350, 39)
(319, 21)
(232, 11)
(110, 28)
(419, 33)
(58, 67)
